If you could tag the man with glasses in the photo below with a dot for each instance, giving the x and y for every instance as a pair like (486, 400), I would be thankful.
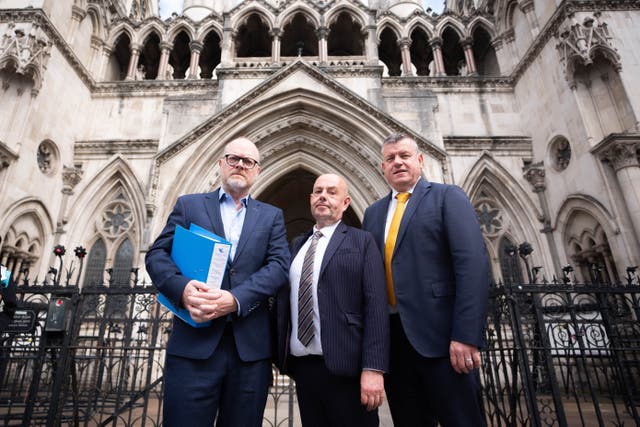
(223, 370)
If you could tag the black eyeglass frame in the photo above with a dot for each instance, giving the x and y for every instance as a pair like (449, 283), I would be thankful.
(247, 162)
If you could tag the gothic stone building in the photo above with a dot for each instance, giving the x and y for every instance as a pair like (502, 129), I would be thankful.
(109, 113)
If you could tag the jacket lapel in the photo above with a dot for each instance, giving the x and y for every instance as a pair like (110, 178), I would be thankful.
(250, 221)
(334, 244)
(380, 221)
(212, 206)
(421, 190)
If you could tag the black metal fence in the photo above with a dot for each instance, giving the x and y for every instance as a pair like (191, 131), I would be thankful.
(558, 353)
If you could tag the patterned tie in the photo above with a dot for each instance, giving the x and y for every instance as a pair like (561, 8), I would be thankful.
(390, 244)
(306, 330)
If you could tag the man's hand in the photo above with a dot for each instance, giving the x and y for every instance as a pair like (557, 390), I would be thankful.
(464, 357)
(371, 389)
(226, 303)
(200, 300)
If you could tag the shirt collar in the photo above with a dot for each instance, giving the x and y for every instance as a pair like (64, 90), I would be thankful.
(394, 193)
(223, 196)
(328, 230)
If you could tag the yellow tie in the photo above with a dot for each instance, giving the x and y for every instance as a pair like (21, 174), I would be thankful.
(390, 244)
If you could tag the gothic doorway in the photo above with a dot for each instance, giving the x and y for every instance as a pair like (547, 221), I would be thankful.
(291, 194)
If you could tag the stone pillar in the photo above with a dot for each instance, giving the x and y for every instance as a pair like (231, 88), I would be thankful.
(322, 33)
(405, 53)
(622, 154)
(535, 174)
(527, 7)
(104, 62)
(467, 45)
(371, 43)
(227, 53)
(94, 60)
(512, 54)
(436, 47)
(196, 48)
(133, 62)
(275, 34)
(165, 51)
(70, 178)
(77, 15)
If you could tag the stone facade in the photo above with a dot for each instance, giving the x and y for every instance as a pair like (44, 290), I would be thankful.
(110, 113)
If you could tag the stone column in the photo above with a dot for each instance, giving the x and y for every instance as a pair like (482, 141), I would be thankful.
(622, 154)
(527, 7)
(77, 15)
(196, 48)
(70, 178)
(405, 53)
(165, 51)
(94, 60)
(467, 45)
(104, 61)
(436, 47)
(275, 34)
(535, 173)
(510, 40)
(133, 62)
(371, 43)
(322, 34)
(227, 53)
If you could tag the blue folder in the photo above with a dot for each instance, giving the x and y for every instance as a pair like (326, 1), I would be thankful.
(192, 252)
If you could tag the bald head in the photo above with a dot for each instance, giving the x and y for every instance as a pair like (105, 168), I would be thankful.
(329, 199)
(238, 177)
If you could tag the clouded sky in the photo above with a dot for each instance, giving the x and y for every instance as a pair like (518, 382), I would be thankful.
(167, 7)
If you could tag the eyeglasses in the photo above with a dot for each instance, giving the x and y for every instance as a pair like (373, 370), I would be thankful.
(233, 160)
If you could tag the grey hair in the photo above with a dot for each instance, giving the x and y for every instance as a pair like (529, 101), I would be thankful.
(397, 137)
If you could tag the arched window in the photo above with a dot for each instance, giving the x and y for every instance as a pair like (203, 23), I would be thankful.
(210, 55)
(510, 262)
(253, 39)
(345, 37)
(484, 54)
(299, 34)
(149, 58)
(95, 264)
(422, 54)
(389, 52)
(452, 53)
(180, 55)
(120, 57)
(122, 264)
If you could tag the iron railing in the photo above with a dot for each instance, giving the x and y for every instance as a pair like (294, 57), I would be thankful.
(557, 353)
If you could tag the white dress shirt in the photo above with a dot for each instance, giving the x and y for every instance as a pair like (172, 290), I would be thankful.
(232, 219)
(315, 346)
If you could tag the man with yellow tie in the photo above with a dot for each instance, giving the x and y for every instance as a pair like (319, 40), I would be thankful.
(437, 282)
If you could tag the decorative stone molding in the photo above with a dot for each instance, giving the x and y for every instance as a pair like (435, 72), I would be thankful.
(7, 156)
(473, 146)
(619, 150)
(578, 43)
(25, 49)
(71, 176)
(84, 150)
(535, 173)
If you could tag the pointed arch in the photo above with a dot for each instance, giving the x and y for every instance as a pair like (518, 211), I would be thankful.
(206, 29)
(418, 23)
(116, 175)
(149, 28)
(95, 13)
(488, 179)
(356, 14)
(453, 24)
(484, 23)
(182, 26)
(118, 30)
(266, 16)
(392, 25)
(288, 14)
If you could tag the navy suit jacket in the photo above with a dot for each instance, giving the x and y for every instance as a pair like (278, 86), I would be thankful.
(260, 267)
(440, 267)
(352, 299)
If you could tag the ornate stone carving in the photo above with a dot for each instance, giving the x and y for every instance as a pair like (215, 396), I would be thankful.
(621, 154)
(6, 156)
(47, 157)
(490, 216)
(578, 43)
(25, 49)
(71, 176)
(117, 217)
(534, 173)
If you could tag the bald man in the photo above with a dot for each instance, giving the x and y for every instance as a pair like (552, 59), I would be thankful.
(223, 370)
(333, 320)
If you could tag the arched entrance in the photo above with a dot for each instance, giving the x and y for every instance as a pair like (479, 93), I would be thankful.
(291, 194)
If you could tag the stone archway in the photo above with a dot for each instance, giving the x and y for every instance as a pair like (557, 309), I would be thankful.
(291, 194)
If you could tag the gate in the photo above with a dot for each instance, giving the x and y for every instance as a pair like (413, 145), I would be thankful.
(93, 356)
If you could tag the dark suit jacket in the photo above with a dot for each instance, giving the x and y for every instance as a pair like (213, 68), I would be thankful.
(260, 267)
(440, 267)
(354, 317)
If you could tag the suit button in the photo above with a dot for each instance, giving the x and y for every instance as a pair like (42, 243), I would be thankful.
(231, 272)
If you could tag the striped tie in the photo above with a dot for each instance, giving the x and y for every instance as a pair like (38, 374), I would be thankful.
(306, 330)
